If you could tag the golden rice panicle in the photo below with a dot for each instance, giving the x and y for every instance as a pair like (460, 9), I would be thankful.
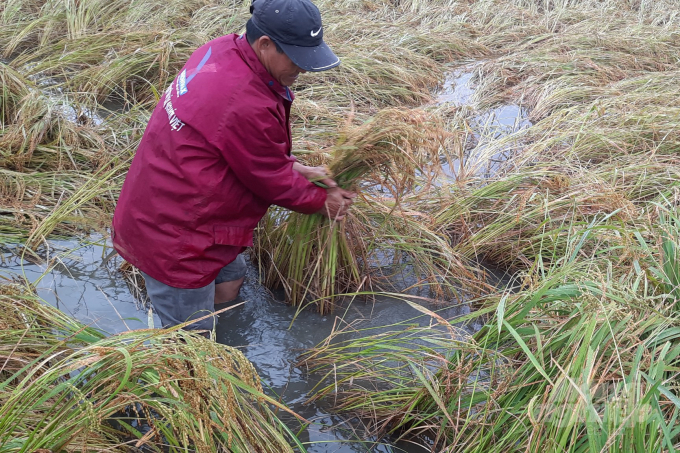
(185, 390)
(394, 141)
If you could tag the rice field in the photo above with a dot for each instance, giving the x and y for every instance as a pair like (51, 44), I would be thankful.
(574, 200)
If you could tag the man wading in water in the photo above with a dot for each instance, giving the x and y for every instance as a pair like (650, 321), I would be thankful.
(215, 155)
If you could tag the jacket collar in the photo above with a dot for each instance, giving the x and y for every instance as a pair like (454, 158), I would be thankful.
(248, 55)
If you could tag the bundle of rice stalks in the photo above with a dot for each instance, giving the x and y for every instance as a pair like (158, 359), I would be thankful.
(67, 387)
(387, 149)
(135, 282)
(315, 258)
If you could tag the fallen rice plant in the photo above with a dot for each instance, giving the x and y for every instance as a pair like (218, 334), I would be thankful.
(576, 360)
(570, 362)
(68, 387)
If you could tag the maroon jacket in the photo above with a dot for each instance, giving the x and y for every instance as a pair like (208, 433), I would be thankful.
(215, 155)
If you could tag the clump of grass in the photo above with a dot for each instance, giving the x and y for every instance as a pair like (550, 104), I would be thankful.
(42, 126)
(609, 155)
(389, 59)
(132, 50)
(512, 220)
(577, 57)
(14, 88)
(39, 204)
(52, 202)
(67, 387)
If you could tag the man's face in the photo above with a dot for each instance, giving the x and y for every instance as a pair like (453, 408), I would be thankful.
(277, 64)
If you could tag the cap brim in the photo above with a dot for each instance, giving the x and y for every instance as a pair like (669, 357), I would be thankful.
(313, 59)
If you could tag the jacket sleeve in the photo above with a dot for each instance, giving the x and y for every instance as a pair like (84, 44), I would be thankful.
(258, 156)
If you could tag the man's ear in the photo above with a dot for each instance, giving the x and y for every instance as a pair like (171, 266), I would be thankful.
(265, 42)
(258, 45)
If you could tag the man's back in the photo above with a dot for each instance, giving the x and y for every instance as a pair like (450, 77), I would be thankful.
(214, 156)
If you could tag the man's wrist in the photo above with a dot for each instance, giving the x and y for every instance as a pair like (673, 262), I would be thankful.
(298, 167)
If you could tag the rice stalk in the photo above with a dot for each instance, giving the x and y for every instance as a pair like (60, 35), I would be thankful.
(42, 125)
(14, 88)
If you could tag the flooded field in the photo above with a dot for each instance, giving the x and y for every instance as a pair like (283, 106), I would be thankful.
(485, 126)
(518, 168)
(84, 284)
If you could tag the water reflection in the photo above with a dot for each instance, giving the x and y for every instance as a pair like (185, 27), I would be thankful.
(74, 280)
(264, 330)
(483, 157)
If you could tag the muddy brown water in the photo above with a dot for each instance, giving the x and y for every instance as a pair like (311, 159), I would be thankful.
(263, 328)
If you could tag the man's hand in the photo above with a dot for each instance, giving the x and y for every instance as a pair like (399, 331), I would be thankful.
(338, 200)
(315, 174)
(337, 203)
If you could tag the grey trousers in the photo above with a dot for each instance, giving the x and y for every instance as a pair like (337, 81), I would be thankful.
(177, 305)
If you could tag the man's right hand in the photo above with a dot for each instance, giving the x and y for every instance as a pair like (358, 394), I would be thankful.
(337, 203)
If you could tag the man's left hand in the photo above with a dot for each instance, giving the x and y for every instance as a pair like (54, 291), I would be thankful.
(314, 174)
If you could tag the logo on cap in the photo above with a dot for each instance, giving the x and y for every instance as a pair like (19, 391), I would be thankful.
(317, 32)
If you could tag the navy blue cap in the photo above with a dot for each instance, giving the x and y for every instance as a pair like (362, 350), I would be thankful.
(295, 25)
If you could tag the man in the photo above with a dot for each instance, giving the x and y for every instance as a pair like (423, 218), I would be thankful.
(215, 155)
